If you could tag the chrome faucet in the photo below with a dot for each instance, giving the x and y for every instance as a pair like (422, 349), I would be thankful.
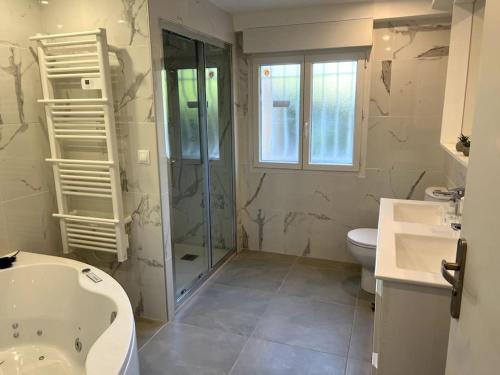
(457, 194)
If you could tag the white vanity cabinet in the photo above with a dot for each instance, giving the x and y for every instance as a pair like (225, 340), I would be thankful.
(412, 299)
(411, 329)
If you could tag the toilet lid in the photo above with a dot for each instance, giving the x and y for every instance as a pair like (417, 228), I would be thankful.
(365, 237)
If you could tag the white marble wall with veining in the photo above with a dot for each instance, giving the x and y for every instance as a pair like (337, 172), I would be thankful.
(455, 173)
(26, 187)
(127, 27)
(309, 213)
(25, 181)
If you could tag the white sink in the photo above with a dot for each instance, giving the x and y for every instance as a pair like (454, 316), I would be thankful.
(423, 253)
(413, 238)
(416, 213)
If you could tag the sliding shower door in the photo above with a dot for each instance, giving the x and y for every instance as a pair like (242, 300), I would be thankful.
(201, 150)
(220, 142)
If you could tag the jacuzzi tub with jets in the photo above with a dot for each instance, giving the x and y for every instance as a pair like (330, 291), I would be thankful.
(55, 319)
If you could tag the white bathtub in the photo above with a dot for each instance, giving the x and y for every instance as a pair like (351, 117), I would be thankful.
(55, 320)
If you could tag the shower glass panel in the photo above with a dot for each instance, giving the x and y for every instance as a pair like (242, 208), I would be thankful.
(190, 247)
(220, 144)
(201, 149)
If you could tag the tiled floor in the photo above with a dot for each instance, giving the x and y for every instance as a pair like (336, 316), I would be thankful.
(269, 314)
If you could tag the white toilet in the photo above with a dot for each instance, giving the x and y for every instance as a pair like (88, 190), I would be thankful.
(437, 194)
(362, 243)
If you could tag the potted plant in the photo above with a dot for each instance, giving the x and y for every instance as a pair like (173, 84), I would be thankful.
(463, 144)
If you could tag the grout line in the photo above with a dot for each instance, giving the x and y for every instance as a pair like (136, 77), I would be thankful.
(354, 319)
(251, 336)
(8, 201)
(287, 274)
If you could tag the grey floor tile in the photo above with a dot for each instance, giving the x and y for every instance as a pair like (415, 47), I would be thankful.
(264, 271)
(324, 263)
(145, 329)
(263, 255)
(308, 324)
(333, 284)
(188, 350)
(260, 357)
(361, 346)
(230, 309)
(355, 367)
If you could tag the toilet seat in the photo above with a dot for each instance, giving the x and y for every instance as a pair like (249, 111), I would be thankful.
(363, 237)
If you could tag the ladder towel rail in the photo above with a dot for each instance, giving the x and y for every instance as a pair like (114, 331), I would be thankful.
(65, 59)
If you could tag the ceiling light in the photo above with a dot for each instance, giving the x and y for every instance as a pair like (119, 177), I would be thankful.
(386, 37)
(44, 2)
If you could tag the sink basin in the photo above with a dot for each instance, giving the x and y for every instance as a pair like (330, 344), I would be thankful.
(415, 213)
(423, 253)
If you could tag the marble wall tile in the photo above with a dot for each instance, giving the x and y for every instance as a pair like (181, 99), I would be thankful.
(380, 88)
(19, 19)
(132, 83)
(138, 177)
(384, 43)
(126, 21)
(420, 39)
(455, 172)
(20, 82)
(4, 241)
(146, 254)
(417, 87)
(30, 225)
(23, 172)
(403, 143)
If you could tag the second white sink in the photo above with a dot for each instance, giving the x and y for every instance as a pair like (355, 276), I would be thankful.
(416, 213)
(423, 253)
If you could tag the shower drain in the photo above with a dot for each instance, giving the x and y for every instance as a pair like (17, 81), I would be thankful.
(41, 358)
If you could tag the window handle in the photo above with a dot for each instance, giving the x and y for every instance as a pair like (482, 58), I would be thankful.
(306, 128)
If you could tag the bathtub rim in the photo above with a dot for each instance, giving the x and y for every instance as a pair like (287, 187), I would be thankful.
(115, 347)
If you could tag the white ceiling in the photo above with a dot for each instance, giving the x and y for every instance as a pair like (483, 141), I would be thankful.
(241, 6)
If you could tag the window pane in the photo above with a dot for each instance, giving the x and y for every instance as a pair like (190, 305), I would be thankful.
(279, 102)
(333, 107)
(188, 104)
(212, 93)
(188, 107)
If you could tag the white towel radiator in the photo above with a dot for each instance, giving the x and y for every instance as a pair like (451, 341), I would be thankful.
(76, 65)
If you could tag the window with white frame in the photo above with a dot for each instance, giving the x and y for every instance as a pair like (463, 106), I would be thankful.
(307, 111)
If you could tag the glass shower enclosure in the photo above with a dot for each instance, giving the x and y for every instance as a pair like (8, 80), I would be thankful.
(200, 141)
